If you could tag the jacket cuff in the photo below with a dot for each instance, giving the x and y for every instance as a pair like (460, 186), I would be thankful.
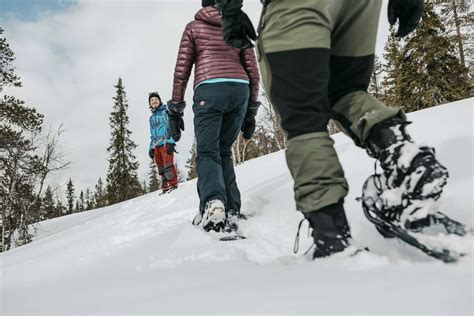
(177, 107)
(252, 109)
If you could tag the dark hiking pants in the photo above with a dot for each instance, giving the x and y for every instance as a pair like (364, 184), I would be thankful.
(219, 110)
(316, 59)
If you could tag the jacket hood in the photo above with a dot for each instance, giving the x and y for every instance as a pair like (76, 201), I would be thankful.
(210, 15)
(160, 108)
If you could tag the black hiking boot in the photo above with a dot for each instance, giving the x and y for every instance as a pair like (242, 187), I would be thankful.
(405, 164)
(331, 231)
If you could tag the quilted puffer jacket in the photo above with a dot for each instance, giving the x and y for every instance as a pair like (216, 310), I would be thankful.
(202, 45)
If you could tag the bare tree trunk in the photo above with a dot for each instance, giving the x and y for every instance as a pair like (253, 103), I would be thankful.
(23, 234)
(235, 147)
(280, 134)
(53, 160)
(243, 150)
(458, 33)
(234, 156)
(3, 226)
(8, 206)
(274, 117)
(236, 152)
(376, 87)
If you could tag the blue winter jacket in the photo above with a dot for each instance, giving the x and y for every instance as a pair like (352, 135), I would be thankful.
(159, 128)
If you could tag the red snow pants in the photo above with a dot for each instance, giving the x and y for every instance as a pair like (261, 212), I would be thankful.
(166, 168)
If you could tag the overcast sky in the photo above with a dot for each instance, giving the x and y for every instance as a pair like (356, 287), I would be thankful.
(70, 55)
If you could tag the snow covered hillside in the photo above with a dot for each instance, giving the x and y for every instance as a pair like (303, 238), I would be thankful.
(144, 256)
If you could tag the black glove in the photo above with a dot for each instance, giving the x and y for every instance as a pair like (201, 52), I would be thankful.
(237, 29)
(170, 148)
(229, 7)
(151, 153)
(248, 126)
(175, 113)
(407, 12)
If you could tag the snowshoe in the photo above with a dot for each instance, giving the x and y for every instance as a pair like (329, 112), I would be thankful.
(233, 236)
(406, 165)
(237, 215)
(234, 216)
(168, 190)
(231, 227)
(226, 228)
(395, 215)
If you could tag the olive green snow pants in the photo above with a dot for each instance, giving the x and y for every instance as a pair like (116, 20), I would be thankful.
(316, 59)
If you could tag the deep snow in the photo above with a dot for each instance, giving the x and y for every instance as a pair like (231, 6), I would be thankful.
(144, 256)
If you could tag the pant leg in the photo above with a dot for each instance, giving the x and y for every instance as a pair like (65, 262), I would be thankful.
(352, 56)
(160, 164)
(294, 55)
(231, 126)
(169, 169)
(208, 116)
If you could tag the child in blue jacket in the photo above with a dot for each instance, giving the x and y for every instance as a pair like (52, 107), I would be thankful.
(162, 145)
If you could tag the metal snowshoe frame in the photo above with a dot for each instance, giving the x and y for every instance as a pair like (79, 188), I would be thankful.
(373, 207)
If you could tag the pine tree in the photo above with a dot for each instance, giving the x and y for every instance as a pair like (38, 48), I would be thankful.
(48, 209)
(25, 203)
(393, 59)
(100, 196)
(59, 210)
(181, 176)
(20, 166)
(144, 187)
(191, 162)
(459, 19)
(122, 179)
(428, 71)
(70, 197)
(8, 78)
(27, 157)
(155, 183)
(375, 85)
(81, 203)
(89, 200)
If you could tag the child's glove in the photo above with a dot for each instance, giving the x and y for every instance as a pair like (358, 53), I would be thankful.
(175, 113)
(237, 29)
(248, 126)
(407, 12)
(170, 148)
(151, 153)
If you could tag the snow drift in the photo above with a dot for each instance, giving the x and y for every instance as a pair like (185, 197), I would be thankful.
(144, 256)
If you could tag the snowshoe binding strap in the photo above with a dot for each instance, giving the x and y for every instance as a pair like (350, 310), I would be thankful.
(296, 245)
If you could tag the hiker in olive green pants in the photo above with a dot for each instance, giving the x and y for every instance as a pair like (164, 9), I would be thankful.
(316, 59)
(320, 69)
